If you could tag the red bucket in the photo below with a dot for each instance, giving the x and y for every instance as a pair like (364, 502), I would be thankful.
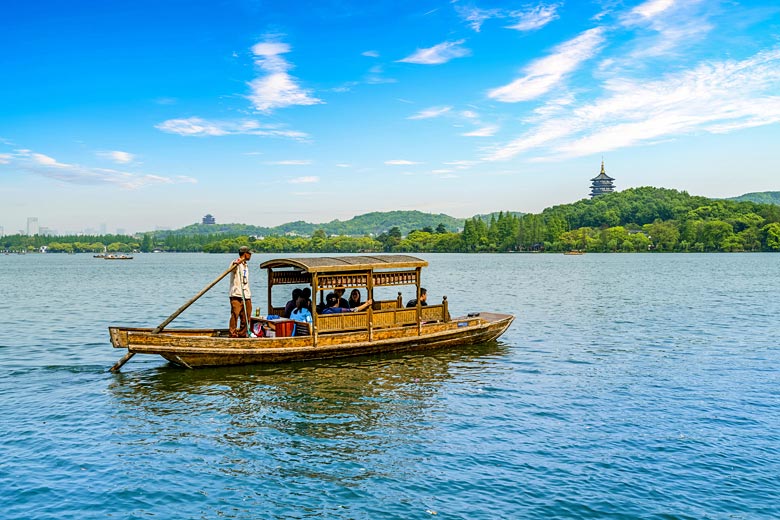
(284, 328)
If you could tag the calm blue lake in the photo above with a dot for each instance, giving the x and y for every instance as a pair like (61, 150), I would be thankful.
(630, 386)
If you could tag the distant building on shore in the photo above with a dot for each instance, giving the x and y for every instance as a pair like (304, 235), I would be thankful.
(209, 219)
(32, 226)
(602, 183)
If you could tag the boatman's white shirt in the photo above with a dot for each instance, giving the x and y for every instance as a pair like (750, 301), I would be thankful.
(240, 278)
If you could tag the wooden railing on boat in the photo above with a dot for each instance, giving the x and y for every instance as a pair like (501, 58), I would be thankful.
(393, 317)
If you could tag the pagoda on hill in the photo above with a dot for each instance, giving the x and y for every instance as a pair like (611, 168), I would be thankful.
(602, 183)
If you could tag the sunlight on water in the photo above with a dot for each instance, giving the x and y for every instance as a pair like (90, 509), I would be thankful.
(630, 386)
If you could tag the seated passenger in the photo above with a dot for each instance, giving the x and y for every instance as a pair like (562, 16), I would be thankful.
(332, 302)
(354, 299)
(288, 308)
(306, 293)
(301, 312)
(423, 298)
(340, 294)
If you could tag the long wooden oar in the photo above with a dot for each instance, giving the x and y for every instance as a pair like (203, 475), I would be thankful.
(173, 316)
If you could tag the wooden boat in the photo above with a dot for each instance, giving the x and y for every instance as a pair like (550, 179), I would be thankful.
(385, 326)
(116, 257)
(574, 252)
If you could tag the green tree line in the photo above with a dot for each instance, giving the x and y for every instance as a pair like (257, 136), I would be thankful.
(634, 220)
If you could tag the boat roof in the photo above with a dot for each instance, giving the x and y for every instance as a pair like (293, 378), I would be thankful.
(323, 264)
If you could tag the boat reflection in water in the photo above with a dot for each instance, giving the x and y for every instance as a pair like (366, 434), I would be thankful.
(294, 406)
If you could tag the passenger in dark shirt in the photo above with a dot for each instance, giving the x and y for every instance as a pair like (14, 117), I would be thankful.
(354, 299)
(291, 304)
(423, 298)
(339, 291)
(333, 307)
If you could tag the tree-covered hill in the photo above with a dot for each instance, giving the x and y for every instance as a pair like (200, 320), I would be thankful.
(634, 220)
(374, 223)
(761, 197)
(653, 218)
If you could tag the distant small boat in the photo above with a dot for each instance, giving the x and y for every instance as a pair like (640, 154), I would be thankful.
(117, 257)
(574, 252)
(99, 255)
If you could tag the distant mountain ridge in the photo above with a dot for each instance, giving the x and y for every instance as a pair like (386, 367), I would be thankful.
(759, 197)
(378, 222)
(374, 223)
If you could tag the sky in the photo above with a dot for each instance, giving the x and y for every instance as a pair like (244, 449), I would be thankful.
(148, 115)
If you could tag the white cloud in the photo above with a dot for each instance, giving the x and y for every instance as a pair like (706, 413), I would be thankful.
(476, 16)
(667, 27)
(45, 160)
(118, 156)
(543, 74)
(485, 131)
(198, 127)
(440, 171)
(438, 54)
(462, 165)
(291, 162)
(400, 162)
(370, 54)
(5, 158)
(714, 97)
(304, 180)
(46, 166)
(344, 165)
(277, 89)
(534, 17)
(376, 76)
(431, 112)
(652, 8)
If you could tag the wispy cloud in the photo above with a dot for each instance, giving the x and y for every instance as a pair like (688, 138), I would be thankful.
(431, 112)
(461, 165)
(485, 131)
(651, 8)
(529, 18)
(438, 54)
(400, 162)
(344, 165)
(198, 127)
(277, 88)
(376, 76)
(291, 162)
(669, 27)
(370, 54)
(713, 97)
(118, 156)
(545, 73)
(304, 180)
(49, 167)
(534, 17)
(475, 16)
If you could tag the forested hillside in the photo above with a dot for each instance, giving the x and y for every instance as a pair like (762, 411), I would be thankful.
(368, 224)
(634, 220)
(761, 197)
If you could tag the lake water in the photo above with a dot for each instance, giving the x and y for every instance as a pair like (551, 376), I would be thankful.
(630, 386)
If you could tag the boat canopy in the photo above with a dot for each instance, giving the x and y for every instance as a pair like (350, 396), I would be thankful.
(346, 264)
(327, 273)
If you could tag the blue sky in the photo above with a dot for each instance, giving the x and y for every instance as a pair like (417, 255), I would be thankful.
(141, 114)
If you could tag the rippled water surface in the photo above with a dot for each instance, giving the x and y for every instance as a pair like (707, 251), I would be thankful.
(630, 386)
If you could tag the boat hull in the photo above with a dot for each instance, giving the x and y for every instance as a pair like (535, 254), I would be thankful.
(210, 347)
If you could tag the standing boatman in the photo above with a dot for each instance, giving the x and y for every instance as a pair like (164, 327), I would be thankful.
(240, 295)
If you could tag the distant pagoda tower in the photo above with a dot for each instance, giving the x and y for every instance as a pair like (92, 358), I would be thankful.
(602, 183)
(209, 219)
